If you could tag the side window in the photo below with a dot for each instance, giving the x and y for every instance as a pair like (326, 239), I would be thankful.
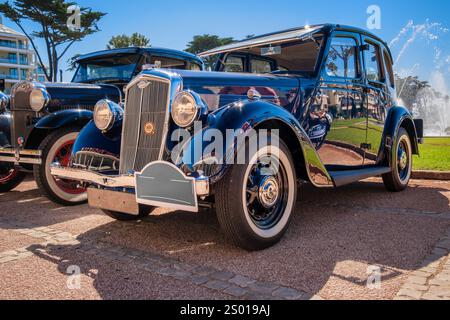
(234, 64)
(389, 71)
(372, 61)
(261, 66)
(342, 61)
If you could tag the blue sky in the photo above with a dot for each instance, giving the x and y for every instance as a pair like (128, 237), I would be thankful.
(173, 24)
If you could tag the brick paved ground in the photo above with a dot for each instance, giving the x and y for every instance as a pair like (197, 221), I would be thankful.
(432, 280)
(326, 253)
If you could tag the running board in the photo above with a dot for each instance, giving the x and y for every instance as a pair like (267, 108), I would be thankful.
(342, 178)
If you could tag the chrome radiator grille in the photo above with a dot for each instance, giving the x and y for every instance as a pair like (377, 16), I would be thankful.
(146, 108)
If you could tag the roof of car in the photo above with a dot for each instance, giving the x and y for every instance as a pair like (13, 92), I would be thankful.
(136, 50)
(287, 35)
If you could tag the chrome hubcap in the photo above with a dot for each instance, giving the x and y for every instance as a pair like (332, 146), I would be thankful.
(268, 192)
(403, 160)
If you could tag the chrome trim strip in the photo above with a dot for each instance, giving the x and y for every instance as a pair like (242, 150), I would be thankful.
(172, 206)
(25, 152)
(25, 161)
(138, 136)
(92, 177)
(20, 156)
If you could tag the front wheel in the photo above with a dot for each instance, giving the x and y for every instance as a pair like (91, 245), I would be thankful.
(398, 179)
(10, 177)
(57, 148)
(255, 201)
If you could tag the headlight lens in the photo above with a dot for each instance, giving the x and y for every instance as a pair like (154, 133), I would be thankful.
(184, 109)
(4, 101)
(39, 99)
(103, 115)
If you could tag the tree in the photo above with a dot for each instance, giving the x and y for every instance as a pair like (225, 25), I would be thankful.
(72, 62)
(124, 41)
(201, 43)
(52, 16)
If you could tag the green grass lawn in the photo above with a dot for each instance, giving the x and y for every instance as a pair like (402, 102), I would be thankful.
(434, 155)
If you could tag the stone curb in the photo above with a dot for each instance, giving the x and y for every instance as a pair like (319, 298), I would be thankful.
(431, 175)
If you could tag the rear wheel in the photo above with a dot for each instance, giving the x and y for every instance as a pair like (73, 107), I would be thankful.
(144, 211)
(255, 201)
(398, 179)
(10, 177)
(57, 148)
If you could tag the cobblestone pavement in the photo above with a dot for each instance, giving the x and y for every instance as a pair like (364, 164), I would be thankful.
(235, 285)
(326, 254)
(432, 280)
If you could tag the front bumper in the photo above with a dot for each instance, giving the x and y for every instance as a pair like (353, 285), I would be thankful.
(160, 184)
(20, 156)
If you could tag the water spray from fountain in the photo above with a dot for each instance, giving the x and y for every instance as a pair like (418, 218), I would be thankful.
(428, 100)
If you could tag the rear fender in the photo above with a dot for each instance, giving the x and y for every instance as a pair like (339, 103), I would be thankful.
(399, 117)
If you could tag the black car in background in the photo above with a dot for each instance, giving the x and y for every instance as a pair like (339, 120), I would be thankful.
(39, 122)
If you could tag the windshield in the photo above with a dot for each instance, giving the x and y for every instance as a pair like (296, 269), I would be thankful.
(117, 67)
(299, 56)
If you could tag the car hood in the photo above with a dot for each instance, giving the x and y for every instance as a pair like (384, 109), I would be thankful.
(218, 89)
(79, 95)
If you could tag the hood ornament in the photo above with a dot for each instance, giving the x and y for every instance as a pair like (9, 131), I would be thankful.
(143, 84)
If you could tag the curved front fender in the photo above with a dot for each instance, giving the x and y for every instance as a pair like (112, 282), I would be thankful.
(64, 118)
(240, 118)
(92, 138)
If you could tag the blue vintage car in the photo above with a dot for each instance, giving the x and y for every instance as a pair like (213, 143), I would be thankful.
(316, 104)
(41, 122)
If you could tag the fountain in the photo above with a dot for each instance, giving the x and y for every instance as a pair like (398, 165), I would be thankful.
(429, 100)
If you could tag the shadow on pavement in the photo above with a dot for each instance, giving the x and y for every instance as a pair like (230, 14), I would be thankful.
(335, 236)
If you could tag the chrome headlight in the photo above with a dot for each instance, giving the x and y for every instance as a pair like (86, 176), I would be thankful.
(104, 115)
(186, 108)
(4, 102)
(39, 99)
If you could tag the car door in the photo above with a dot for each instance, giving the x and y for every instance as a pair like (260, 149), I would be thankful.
(337, 119)
(378, 93)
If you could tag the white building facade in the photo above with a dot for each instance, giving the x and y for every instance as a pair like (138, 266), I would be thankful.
(16, 57)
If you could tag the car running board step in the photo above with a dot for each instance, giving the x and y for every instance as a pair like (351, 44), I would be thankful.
(342, 178)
